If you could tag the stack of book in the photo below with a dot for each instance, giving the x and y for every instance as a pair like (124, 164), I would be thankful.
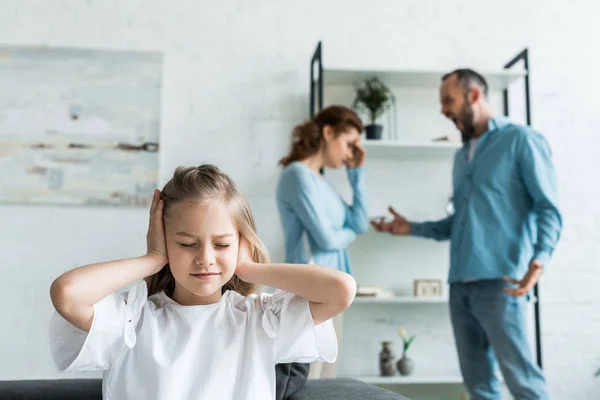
(373, 291)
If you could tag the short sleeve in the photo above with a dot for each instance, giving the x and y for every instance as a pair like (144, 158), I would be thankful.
(287, 319)
(113, 330)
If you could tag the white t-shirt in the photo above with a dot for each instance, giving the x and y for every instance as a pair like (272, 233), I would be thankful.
(154, 348)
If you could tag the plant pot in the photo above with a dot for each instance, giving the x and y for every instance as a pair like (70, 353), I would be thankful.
(374, 131)
(405, 366)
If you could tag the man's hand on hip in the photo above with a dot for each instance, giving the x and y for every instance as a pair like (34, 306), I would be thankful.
(528, 282)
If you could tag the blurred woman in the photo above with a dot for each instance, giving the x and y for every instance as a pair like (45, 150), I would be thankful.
(309, 205)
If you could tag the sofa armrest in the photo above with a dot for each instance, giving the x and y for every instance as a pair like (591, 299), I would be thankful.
(52, 389)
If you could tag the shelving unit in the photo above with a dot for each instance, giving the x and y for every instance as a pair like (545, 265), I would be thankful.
(400, 300)
(414, 79)
(321, 75)
(407, 300)
(400, 150)
(412, 380)
(498, 80)
(409, 380)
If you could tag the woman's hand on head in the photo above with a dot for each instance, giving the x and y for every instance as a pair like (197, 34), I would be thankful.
(359, 156)
(155, 238)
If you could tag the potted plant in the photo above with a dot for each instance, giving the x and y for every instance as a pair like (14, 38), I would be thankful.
(374, 98)
(405, 365)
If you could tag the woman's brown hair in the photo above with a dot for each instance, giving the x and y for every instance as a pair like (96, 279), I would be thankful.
(308, 136)
(202, 184)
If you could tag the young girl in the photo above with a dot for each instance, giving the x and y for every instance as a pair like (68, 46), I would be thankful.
(194, 329)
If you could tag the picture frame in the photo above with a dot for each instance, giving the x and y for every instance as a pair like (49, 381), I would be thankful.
(427, 288)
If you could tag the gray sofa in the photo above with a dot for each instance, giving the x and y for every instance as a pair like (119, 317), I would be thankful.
(91, 389)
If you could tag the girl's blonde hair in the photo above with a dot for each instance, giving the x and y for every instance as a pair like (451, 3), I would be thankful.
(202, 184)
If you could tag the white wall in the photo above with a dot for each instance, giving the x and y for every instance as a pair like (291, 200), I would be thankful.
(236, 80)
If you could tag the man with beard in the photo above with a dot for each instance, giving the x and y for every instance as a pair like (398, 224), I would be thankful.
(502, 234)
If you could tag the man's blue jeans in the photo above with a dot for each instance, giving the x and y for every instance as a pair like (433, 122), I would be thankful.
(490, 329)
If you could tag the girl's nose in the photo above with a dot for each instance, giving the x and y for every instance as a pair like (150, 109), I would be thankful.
(205, 257)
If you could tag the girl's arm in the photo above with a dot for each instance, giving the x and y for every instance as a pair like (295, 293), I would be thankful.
(75, 292)
(329, 291)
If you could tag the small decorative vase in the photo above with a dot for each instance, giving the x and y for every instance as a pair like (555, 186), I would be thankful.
(386, 360)
(405, 365)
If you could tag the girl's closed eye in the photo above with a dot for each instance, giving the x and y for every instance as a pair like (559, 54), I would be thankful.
(218, 245)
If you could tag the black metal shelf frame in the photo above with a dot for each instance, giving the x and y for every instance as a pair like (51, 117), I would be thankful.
(524, 57)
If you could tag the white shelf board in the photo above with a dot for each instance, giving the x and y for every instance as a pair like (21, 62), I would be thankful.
(500, 79)
(398, 149)
(400, 299)
(408, 380)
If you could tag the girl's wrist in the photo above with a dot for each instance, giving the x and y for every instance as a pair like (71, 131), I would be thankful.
(248, 271)
(155, 262)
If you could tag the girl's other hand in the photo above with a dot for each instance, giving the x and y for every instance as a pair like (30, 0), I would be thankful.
(155, 238)
(244, 261)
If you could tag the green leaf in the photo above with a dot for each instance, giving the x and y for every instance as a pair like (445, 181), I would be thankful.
(408, 342)
(372, 97)
(598, 372)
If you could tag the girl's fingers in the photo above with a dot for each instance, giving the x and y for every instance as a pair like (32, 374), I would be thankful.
(158, 213)
(152, 207)
(156, 210)
(154, 202)
(244, 251)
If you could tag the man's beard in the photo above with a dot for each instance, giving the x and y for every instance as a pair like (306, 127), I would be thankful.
(466, 116)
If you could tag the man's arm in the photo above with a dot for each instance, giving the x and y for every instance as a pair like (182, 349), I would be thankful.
(539, 177)
(437, 230)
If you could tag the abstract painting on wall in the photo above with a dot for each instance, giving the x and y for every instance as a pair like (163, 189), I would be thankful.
(79, 127)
